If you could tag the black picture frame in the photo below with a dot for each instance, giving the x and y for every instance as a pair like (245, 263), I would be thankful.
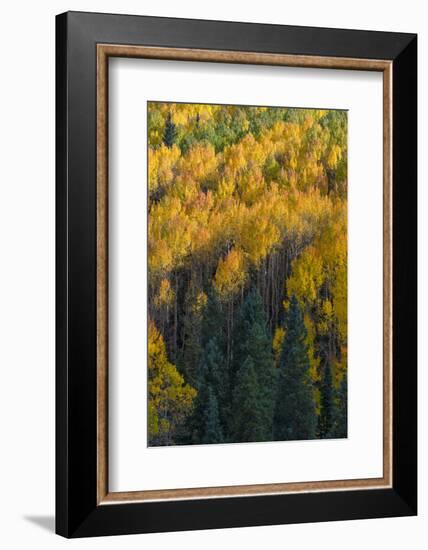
(77, 511)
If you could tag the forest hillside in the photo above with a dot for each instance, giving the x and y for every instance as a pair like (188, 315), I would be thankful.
(247, 291)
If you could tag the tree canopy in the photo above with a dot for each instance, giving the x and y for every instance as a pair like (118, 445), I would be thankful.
(247, 260)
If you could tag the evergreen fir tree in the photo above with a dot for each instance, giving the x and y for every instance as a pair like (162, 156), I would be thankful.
(191, 354)
(190, 358)
(213, 320)
(212, 431)
(252, 342)
(212, 382)
(217, 373)
(251, 312)
(325, 421)
(212, 373)
(295, 415)
(339, 427)
(196, 423)
(170, 132)
(247, 411)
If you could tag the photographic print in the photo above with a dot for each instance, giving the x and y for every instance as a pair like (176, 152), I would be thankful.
(236, 274)
(247, 274)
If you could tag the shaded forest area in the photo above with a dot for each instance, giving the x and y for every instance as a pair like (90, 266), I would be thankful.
(247, 295)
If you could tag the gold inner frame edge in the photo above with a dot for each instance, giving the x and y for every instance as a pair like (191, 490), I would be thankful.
(104, 51)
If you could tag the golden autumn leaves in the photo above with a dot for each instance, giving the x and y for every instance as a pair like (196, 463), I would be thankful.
(209, 199)
(239, 198)
(169, 398)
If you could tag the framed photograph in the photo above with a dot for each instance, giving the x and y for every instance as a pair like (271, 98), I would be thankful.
(236, 274)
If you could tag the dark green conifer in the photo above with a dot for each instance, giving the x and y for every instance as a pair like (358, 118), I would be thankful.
(170, 132)
(250, 313)
(213, 320)
(212, 431)
(295, 415)
(325, 421)
(212, 382)
(247, 410)
(252, 342)
(217, 374)
(339, 427)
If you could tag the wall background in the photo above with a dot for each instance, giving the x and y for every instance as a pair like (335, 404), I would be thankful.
(27, 240)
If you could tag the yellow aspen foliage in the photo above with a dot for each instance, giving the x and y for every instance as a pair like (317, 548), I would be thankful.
(230, 274)
(310, 342)
(166, 294)
(155, 138)
(170, 399)
(185, 115)
(247, 154)
(185, 188)
(225, 187)
(286, 136)
(258, 236)
(307, 277)
(200, 302)
(317, 399)
(340, 294)
(160, 257)
(161, 164)
(251, 185)
(334, 156)
(170, 234)
(278, 338)
(200, 162)
(340, 367)
(326, 317)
